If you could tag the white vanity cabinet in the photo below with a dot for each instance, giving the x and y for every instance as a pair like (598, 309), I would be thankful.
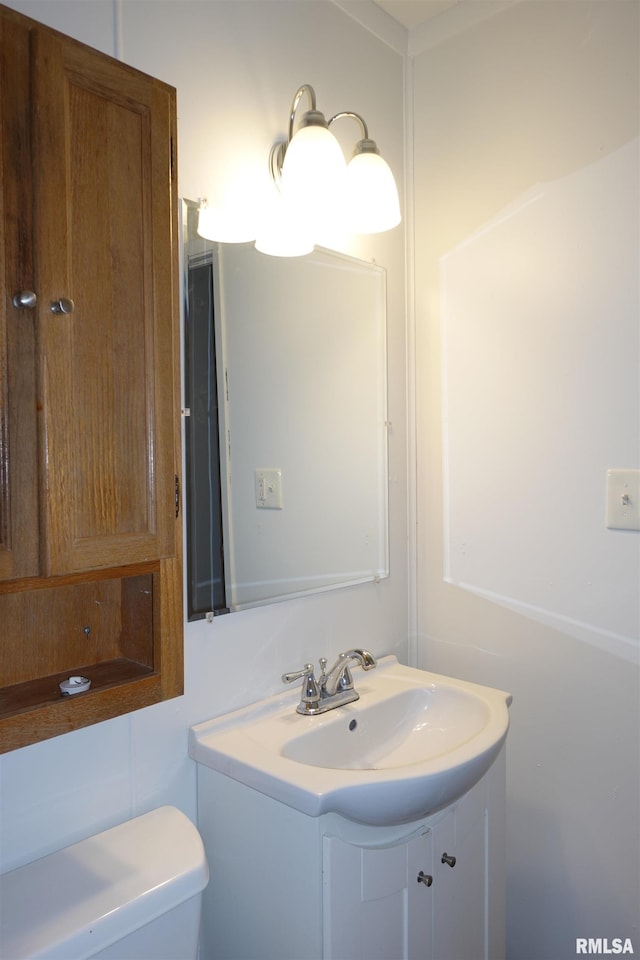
(286, 885)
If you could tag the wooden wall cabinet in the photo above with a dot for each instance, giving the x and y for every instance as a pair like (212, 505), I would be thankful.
(90, 524)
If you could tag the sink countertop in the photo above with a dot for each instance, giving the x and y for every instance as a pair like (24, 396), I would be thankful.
(412, 744)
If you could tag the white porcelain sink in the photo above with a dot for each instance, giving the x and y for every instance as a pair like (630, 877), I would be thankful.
(412, 744)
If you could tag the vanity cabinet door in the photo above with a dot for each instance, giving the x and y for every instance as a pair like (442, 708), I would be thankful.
(375, 907)
(102, 163)
(459, 871)
(420, 915)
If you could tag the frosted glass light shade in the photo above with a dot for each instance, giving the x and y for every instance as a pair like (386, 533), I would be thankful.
(371, 195)
(284, 230)
(314, 163)
(225, 225)
(313, 175)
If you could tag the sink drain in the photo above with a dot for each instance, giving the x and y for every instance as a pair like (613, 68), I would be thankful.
(353, 725)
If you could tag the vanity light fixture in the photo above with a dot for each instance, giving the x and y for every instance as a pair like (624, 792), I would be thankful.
(316, 189)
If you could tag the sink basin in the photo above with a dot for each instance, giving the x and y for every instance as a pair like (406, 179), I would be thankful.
(395, 731)
(412, 744)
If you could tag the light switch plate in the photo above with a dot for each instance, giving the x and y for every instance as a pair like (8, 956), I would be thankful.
(623, 499)
(269, 489)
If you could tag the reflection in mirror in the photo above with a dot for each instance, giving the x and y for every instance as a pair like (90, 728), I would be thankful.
(286, 441)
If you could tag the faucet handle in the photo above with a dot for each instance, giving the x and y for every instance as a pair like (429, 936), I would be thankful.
(310, 691)
(306, 671)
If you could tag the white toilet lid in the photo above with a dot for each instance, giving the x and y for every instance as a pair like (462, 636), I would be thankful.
(85, 897)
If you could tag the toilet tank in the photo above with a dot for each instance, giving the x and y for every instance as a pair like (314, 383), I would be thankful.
(133, 891)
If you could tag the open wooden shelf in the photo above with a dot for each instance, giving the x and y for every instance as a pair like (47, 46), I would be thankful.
(33, 694)
(32, 711)
(45, 642)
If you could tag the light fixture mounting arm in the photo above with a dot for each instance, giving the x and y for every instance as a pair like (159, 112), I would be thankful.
(354, 116)
(364, 145)
(308, 89)
(312, 117)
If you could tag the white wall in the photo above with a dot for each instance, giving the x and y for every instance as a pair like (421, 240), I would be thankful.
(236, 67)
(526, 206)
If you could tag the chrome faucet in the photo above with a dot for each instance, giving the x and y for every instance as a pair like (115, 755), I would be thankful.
(332, 689)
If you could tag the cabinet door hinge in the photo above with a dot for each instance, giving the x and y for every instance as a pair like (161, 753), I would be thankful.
(177, 495)
(172, 161)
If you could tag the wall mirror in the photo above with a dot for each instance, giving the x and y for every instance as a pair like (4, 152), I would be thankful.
(286, 426)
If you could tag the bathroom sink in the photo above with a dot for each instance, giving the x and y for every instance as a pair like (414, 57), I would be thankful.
(412, 744)
(395, 731)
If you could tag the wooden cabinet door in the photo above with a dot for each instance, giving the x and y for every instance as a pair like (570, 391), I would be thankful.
(18, 443)
(103, 185)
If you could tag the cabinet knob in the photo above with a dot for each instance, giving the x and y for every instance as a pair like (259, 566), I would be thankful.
(446, 858)
(424, 878)
(63, 305)
(25, 300)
